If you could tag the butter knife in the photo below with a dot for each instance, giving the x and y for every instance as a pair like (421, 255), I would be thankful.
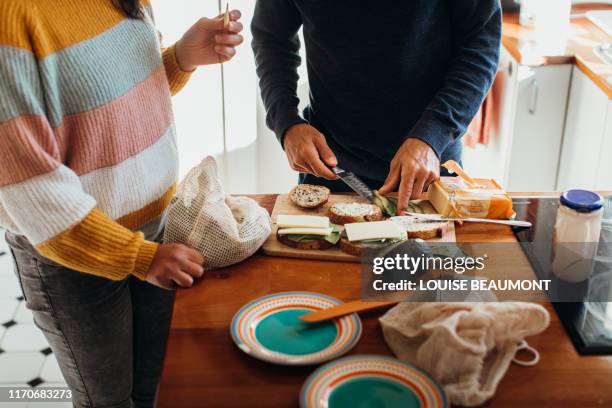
(437, 217)
(355, 183)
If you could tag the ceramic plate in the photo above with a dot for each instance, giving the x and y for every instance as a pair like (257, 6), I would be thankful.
(371, 381)
(269, 329)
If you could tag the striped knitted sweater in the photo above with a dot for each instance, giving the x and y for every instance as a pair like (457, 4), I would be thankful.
(87, 153)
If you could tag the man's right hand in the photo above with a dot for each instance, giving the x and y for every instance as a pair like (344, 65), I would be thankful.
(175, 264)
(308, 152)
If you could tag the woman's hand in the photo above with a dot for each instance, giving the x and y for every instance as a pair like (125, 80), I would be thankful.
(175, 265)
(208, 42)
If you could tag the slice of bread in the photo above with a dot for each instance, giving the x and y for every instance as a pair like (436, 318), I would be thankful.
(347, 213)
(357, 248)
(425, 230)
(309, 195)
(314, 245)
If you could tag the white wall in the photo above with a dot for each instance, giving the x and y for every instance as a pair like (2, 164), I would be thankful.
(198, 107)
(220, 112)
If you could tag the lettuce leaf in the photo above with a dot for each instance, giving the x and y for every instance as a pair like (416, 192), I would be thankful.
(332, 238)
(388, 205)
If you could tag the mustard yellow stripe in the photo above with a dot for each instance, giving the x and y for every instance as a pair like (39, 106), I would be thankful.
(176, 76)
(49, 26)
(15, 18)
(62, 23)
(148, 213)
(102, 247)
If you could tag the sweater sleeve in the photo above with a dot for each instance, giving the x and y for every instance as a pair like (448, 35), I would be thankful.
(477, 28)
(40, 197)
(177, 78)
(276, 45)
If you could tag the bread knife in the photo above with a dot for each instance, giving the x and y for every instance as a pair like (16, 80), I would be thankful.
(355, 183)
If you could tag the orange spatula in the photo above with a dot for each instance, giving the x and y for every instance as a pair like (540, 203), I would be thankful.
(343, 310)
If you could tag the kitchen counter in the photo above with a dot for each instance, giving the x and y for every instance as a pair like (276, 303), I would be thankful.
(203, 367)
(578, 49)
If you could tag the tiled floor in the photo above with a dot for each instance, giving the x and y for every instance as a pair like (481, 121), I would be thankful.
(25, 356)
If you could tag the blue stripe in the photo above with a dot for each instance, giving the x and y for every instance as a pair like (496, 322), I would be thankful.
(94, 72)
(20, 87)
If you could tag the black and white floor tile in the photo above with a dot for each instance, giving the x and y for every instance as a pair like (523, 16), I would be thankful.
(25, 356)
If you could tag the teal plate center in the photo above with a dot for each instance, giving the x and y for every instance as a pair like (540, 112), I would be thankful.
(283, 332)
(373, 392)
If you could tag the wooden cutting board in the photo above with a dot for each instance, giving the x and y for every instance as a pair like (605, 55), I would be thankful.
(284, 206)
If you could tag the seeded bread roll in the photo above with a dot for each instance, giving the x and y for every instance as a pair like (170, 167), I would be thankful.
(347, 213)
(309, 195)
(314, 245)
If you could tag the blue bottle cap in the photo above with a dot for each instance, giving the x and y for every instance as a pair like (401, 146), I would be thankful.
(582, 200)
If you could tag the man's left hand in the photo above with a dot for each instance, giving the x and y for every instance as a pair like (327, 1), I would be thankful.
(414, 167)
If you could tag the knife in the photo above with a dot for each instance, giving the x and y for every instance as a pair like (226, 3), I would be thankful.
(437, 217)
(355, 183)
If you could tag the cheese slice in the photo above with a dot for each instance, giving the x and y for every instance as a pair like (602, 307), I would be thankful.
(306, 231)
(362, 231)
(302, 221)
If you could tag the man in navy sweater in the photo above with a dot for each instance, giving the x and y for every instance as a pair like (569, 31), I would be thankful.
(393, 84)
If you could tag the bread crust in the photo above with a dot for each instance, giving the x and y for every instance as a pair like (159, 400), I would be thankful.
(357, 248)
(341, 219)
(432, 233)
(351, 248)
(318, 245)
(295, 199)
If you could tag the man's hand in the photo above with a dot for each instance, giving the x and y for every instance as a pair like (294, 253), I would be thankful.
(414, 167)
(175, 264)
(308, 152)
(208, 42)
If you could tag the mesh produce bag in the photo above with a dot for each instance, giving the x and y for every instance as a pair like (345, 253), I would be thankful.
(224, 229)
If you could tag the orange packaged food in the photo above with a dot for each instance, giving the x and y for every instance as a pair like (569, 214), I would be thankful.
(465, 197)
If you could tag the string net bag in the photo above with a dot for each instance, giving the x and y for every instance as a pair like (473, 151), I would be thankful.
(223, 228)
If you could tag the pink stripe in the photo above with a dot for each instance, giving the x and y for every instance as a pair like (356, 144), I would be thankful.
(29, 148)
(120, 129)
(90, 140)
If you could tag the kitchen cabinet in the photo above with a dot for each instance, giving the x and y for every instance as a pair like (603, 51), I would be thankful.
(536, 139)
(587, 143)
(524, 149)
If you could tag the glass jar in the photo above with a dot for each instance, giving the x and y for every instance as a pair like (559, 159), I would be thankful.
(576, 234)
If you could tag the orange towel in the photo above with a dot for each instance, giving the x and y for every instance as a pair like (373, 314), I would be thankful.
(479, 131)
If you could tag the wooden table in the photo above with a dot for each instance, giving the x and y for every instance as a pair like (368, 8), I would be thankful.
(203, 367)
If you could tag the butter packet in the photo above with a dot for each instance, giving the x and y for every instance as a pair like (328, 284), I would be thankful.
(465, 197)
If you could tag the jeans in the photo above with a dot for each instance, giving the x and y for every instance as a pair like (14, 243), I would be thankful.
(109, 337)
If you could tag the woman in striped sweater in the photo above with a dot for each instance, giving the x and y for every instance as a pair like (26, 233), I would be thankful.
(87, 168)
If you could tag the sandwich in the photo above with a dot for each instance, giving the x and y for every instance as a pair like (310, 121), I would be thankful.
(307, 232)
(357, 237)
(347, 213)
(309, 195)
(388, 205)
(421, 229)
